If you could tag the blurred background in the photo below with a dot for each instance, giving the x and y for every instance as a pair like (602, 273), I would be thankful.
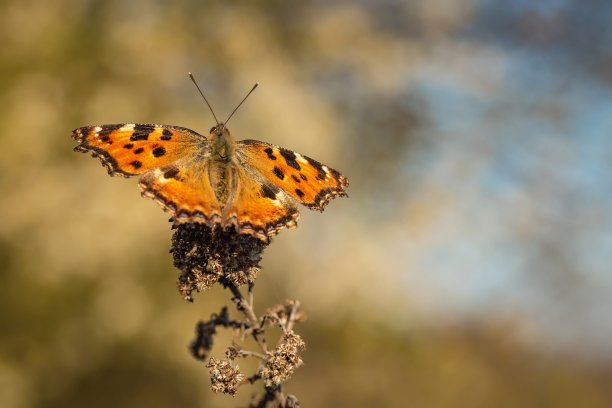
(469, 267)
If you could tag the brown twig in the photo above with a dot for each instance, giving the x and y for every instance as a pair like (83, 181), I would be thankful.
(245, 307)
(205, 258)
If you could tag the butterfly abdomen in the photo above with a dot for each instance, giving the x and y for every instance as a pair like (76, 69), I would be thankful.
(222, 179)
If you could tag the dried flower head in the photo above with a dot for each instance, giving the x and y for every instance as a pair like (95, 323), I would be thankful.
(283, 360)
(285, 314)
(224, 377)
(233, 351)
(206, 256)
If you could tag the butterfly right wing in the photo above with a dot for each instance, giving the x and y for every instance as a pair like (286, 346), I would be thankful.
(171, 161)
(131, 149)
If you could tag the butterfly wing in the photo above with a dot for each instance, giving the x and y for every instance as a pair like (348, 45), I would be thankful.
(170, 160)
(131, 149)
(184, 190)
(258, 207)
(306, 180)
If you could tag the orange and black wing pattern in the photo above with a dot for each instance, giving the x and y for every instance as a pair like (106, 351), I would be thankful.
(306, 180)
(183, 189)
(258, 207)
(170, 160)
(131, 149)
(174, 165)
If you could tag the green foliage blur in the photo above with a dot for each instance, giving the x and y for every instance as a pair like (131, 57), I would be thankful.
(469, 266)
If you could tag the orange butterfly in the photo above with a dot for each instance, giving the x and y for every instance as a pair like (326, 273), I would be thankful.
(249, 185)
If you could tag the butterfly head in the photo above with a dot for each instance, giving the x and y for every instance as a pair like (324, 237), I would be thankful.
(222, 141)
(219, 131)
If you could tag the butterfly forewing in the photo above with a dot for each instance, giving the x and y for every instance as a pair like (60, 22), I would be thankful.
(131, 149)
(305, 179)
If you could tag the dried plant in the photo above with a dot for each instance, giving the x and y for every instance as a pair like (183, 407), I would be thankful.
(207, 257)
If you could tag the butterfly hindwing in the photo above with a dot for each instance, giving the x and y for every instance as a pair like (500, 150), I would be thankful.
(305, 179)
(131, 149)
(258, 207)
(184, 190)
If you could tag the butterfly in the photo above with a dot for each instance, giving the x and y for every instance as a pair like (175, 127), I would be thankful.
(248, 185)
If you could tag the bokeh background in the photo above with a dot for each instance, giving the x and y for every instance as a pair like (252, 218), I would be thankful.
(471, 265)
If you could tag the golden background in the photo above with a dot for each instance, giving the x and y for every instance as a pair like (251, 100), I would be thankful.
(470, 265)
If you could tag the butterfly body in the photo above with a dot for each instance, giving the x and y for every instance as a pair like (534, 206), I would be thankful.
(222, 156)
(248, 185)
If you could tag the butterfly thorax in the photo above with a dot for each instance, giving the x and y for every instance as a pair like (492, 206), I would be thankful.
(220, 171)
(222, 143)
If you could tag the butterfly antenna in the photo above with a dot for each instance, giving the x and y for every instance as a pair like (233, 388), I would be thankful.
(205, 100)
(241, 102)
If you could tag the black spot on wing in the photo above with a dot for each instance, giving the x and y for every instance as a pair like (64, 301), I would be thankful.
(136, 164)
(335, 174)
(139, 150)
(269, 151)
(171, 173)
(142, 132)
(318, 166)
(299, 192)
(250, 142)
(268, 192)
(303, 177)
(297, 180)
(289, 157)
(106, 130)
(166, 135)
(128, 145)
(279, 173)
(159, 151)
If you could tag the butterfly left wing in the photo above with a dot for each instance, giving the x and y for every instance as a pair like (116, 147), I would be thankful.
(130, 149)
(306, 180)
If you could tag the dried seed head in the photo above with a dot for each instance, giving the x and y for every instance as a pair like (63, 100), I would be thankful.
(233, 351)
(283, 360)
(204, 256)
(223, 376)
(281, 314)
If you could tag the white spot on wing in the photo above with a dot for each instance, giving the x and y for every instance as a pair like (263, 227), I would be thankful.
(326, 170)
(127, 127)
(300, 158)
